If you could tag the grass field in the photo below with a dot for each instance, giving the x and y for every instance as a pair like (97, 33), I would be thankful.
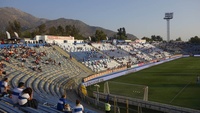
(171, 83)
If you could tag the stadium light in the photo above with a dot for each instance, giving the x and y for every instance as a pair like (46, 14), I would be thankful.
(167, 17)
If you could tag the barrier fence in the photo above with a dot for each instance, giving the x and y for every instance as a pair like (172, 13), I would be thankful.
(121, 104)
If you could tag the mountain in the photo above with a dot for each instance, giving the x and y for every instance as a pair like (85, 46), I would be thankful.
(85, 29)
(28, 21)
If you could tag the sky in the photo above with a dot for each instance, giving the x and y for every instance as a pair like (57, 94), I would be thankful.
(142, 18)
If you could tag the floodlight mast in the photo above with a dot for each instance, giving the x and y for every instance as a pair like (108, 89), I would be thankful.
(167, 17)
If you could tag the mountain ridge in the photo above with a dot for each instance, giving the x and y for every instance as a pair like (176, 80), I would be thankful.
(28, 22)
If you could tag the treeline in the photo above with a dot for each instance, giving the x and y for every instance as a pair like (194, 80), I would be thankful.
(68, 30)
(194, 40)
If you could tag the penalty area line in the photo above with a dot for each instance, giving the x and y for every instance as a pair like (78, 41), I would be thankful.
(180, 92)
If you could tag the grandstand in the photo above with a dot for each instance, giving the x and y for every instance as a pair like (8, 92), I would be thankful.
(40, 70)
(54, 70)
(89, 56)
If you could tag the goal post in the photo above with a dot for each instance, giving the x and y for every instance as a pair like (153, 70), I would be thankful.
(106, 88)
(127, 90)
(146, 89)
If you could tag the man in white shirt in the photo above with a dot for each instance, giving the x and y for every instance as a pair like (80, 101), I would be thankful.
(23, 99)
(78, 108)
(16, 92)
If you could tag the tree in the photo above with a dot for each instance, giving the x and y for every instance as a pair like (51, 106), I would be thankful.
(74, 31)
(68, 30)
(60, 30)
(121, 34)
(35, 32)
(100, 35)
(42, 29)
(147, 39)
(79, 36)
(93, 39)
(26, 34)
(14, 26)
(2, 35)
(156, 38)
(178, 39)
(195, 40)
(52, 31)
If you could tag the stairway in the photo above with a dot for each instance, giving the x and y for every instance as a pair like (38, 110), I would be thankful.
(83, 67)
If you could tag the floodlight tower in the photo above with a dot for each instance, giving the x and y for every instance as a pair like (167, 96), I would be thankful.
(167, 17)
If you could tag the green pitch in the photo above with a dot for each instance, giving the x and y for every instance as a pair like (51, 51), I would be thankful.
(173, 82)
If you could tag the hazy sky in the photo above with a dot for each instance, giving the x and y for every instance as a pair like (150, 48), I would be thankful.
(139, 17)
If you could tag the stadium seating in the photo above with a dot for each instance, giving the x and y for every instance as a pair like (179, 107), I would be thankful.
(48, 84)
(89, 56)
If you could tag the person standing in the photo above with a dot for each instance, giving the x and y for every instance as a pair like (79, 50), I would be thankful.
(107, 107)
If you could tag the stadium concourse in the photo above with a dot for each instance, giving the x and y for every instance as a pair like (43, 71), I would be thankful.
(53, 70)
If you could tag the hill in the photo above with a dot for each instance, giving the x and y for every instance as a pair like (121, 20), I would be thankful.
(26, 20)
(29, 21)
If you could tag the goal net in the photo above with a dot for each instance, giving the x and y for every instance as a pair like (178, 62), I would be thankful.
(127, 90)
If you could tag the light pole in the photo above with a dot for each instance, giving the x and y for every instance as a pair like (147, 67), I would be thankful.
(167, 17)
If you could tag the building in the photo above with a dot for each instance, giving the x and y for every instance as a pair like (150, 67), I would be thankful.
(54, 39)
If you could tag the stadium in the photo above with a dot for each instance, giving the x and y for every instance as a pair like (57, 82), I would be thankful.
(136, 76)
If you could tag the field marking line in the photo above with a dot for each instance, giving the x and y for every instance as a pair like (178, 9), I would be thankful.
(180, 92)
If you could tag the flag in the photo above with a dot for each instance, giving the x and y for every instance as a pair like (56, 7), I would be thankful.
(89, 38)
(8, 34)
(16, 35)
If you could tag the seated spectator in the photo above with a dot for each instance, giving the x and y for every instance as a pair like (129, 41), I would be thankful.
(1, 64)
(40, 68)
(59, 63)
(23, 59)
(68, 108)
(0, 86)
(26, 99)
(70, 56)
(46, 62)
(7, 59)
(61, 103)
(22, 64)
(54, 62)
(1, 73)
(34, 68)
(37, 61)
(78, 108)
(5, 88)
(16, 92)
